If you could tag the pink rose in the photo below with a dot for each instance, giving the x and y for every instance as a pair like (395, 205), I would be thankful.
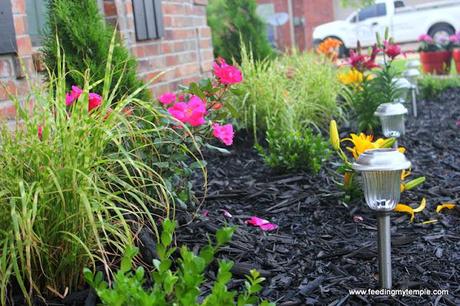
(73, 95)
(167, 98)
(94, 101)
(227, 74)
(192, 112)
(224, 133)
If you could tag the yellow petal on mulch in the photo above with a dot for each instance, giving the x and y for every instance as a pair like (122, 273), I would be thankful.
(421, 207)
(443, 206)
(430, 221)
(405, 209)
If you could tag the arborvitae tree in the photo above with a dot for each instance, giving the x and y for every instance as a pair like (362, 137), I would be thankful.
(236, 21)
(84, 37)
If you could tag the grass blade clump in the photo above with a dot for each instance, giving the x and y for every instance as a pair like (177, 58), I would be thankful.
(74, 182)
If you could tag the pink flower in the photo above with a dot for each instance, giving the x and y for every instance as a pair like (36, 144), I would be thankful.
(392, 50)
(454, 38)
(458, 123)
(192, 112)
(362, 62)
(94, 101)
(425, 38)
(74, 94)
(40, 132)
(167, 98)
(224, 133)
(227, 74)
(263, 224)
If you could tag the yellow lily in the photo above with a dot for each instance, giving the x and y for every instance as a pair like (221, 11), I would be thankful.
(362, 143)
(352, 77)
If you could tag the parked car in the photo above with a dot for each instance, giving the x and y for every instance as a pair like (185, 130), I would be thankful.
(405, 23)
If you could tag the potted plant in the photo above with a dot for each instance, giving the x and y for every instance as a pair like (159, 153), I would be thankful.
(455, 42)
(435, 58)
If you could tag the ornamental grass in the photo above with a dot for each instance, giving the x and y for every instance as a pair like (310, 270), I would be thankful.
(77, 177)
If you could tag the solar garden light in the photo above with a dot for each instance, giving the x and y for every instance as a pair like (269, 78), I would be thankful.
(413, 64)
(412, 75)
(392, 119)
(381, 173)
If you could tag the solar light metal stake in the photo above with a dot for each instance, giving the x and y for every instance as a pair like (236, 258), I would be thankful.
(381, 172)
(412, 75)
(392, 118)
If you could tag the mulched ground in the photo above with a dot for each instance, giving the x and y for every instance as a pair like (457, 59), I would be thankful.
(323, 248)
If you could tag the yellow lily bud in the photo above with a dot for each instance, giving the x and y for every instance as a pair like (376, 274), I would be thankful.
(414, 183)
(347, 177)
(334, 135)
(388, 143)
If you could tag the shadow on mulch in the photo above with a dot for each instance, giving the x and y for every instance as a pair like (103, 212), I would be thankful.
(322, 248)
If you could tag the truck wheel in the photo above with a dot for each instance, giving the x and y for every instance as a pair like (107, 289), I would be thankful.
(441, 31)
(343, 52)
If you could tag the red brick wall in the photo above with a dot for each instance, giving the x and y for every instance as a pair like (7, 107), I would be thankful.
(309, 13)
(13, 67)
(184, 54)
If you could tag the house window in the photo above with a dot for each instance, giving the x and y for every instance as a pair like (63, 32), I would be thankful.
(7, 36)
(148, 19)
(36, 20)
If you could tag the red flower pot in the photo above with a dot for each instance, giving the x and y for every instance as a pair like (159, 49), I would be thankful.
(456, 56)
(437, 62)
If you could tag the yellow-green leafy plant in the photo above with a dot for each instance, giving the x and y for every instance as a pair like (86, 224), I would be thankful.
(77, 176)
(177, 281)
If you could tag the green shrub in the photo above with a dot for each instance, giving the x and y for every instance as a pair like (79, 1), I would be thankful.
(73, 182)
(294, 150)
(176, 282)
(431, 86)
(85, 38)
(235, 23)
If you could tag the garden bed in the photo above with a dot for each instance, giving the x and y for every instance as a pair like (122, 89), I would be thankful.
(322, 247)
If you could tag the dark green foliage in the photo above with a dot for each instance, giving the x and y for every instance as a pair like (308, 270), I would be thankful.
(234, 22)
(84, 38)
(290, 149)
(431, 86)
(176, 282)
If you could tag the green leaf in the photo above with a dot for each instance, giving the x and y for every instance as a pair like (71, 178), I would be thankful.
(220, 150)
(224, 235)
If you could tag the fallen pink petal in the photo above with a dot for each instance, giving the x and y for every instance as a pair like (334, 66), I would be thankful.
(268, 227)
(226, 213)
(205, 213)
(265, 225)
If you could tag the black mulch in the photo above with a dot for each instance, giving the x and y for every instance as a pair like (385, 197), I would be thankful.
(323, 248)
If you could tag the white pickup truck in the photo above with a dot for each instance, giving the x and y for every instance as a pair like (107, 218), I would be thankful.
(406, 23)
